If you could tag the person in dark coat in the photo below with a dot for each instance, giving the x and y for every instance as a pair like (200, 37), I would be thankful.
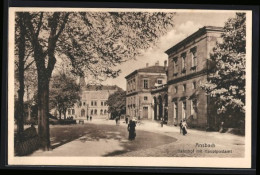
(131, 130)
(126, 120)
(180, 127)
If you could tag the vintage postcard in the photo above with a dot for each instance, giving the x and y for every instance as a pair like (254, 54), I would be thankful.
(129, 87)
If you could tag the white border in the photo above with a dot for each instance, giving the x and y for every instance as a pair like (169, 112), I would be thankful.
(129, 161)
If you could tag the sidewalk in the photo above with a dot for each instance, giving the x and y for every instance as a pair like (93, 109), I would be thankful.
(155, 126)
(101, 137)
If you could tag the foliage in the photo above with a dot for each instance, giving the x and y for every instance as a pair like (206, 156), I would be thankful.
(94, 42)
(117, 103)
(226, 81)
(64, 92)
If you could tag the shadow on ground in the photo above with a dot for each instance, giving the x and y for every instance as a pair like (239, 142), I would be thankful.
(61, 135)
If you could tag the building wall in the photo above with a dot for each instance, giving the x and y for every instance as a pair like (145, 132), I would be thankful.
(136, 93)
(204, 45)
(199, 117)
(93, 103)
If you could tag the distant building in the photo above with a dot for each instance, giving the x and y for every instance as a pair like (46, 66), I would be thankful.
(139, 100)
(188, 64)
(93, 100)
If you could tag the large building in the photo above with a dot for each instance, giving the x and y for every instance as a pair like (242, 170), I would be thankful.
(188, 64)
(92, 102)
(139, 100)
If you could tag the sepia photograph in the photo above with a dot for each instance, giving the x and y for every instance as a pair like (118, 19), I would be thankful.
(129, 87)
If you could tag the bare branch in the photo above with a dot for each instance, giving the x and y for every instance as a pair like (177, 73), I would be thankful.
(62, 25)
(39, 25)
(28, 65)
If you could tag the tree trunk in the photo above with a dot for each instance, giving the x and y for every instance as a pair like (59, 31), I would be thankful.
(21, 47)
(64, 113)
(43, 111)
(60, 114)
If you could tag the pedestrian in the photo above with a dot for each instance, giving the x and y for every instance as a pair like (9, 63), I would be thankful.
(184, 127)
(180, 127)
(126, 120)
(161, 122)
(90, 118)
(116, 119)
(87, 117)
(131, 130)
(221, 130)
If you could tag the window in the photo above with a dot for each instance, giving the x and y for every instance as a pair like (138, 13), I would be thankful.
(91, 112)
(193, 58)
(92, 103)
(183, 62)
(159, 81)
(175, 66)
(84, 103)
(73, 111)
(184, 110)
(176, 89)
(105, 112)
(145, 98)
(145, 84)
(102, 103)
(95, 103)
(82, 112)
(184, 88)
(175, 110)
(69, 112)
(95, 112)
(194, 85)
(193, 106)
(101, 112)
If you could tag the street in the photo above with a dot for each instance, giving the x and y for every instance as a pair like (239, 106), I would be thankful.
(104, 138)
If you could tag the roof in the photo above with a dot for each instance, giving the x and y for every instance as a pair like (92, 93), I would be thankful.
(193, 36)
(97, 87)
(150, 69)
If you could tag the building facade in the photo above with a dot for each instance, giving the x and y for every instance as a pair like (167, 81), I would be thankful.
(139, 100)
(188, 64)
(92, 102)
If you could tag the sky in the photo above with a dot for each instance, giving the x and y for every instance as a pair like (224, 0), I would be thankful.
(186, 23)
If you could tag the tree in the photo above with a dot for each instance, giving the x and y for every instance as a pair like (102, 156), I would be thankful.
(117, 103)
(226, 80)
(64, 93)
(94, 42)
(22, 61)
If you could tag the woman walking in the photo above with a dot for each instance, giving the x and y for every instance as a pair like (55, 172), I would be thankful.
(131, 130)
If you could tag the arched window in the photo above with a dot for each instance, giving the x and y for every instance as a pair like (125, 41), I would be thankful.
(95, 112)
(101, 112)
(82, 112)
(69, 112)
(105, 111)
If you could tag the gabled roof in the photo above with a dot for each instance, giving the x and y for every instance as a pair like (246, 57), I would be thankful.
(150, 69)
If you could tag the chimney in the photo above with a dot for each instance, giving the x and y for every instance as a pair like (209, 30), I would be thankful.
(147, 64)
(157, 63)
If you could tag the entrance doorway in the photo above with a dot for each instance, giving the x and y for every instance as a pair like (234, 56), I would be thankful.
(145, 112)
